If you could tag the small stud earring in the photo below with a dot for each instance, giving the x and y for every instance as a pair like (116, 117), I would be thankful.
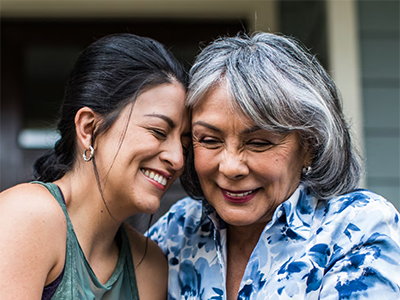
(306, 170)
(90, 156)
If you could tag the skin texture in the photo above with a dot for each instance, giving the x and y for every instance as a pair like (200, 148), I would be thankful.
(245, 173)
(150, 136)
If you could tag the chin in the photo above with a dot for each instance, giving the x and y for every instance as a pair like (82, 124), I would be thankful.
(152, 211)
(238, 221)
(146, 203)
(150, 208)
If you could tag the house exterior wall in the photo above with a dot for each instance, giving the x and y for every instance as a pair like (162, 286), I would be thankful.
(378, 32)
(261, 14)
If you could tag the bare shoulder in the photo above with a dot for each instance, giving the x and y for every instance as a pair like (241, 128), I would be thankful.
(31, 200)
(29, 211)
(151, 266)
(33, 234)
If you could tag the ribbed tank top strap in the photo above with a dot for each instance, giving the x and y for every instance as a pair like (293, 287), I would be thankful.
(55, 191)
(68, 286)
(129, 263)
(66, 289)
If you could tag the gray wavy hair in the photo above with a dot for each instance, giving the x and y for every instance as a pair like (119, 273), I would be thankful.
(276, 82)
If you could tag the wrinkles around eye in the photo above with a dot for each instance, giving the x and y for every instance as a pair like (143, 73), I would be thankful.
(207, 142)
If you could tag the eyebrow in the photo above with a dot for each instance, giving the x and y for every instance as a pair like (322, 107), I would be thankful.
(170, 122)
(251, 129)
(212, 127)
(163, 117)
(201, 123)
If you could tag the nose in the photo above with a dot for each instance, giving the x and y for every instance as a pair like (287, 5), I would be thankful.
(233, 165)
(173, 154)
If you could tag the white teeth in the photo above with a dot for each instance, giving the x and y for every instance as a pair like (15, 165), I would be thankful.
(239, 195)
(155, 176)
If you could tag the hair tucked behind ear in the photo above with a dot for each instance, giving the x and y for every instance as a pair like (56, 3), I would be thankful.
(107, 76)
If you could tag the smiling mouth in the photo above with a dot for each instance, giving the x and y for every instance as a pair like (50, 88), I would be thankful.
(155, 176)
(239, 194)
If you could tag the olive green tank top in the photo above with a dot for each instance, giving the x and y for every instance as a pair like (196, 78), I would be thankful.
(79, 280)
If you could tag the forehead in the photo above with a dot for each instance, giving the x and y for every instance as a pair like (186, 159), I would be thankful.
(162, 94)
(218, 105)
(163, 102)
(166, 99)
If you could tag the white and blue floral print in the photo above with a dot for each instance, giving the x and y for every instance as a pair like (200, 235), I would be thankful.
(344, 248)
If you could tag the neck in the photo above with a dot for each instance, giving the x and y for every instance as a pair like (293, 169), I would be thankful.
(93, 224)
(241, 242)
(244, 238)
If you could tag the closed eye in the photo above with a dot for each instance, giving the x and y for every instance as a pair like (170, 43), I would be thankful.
(209, 142)
(259, 145)
(159, 134)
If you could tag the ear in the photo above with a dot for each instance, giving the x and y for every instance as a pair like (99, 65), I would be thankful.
(85, 121)
(309, 155)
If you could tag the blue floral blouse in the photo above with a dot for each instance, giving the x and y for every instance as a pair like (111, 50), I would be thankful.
(344, 248)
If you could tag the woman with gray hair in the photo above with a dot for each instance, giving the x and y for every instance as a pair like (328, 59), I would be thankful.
(280, 215)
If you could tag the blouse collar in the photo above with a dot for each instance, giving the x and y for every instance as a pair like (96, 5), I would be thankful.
(297, 211)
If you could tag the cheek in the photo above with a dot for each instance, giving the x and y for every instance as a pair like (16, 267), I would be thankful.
(205, 161)
(273, 168)
(291, 170)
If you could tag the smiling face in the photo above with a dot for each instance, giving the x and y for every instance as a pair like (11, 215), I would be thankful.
(245, 172)
(136, 173)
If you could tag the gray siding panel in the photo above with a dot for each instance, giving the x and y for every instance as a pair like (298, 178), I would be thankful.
(380, 60)
(383, 160)
(381, 15)
(381, 109)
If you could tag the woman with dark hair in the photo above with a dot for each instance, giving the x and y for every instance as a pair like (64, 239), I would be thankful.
(280, 215)
(124, 128)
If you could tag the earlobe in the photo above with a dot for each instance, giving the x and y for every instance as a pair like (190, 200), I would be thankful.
(85, 121)
(308, 157)
(307, 169)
